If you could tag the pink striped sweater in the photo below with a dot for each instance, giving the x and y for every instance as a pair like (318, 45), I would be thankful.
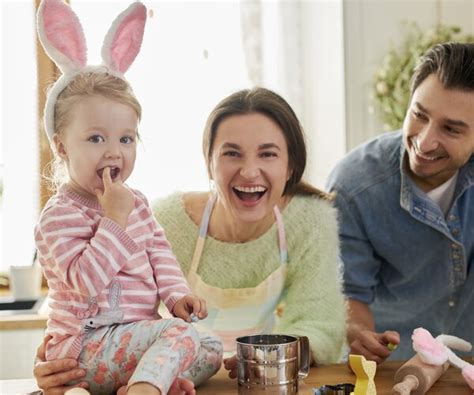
(98, 273)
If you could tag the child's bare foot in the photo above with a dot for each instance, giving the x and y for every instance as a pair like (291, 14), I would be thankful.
(143, 389)
(179, 387)
(182, 387)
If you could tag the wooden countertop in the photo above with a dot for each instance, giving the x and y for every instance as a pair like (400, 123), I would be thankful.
(451, 383)
(22, 321)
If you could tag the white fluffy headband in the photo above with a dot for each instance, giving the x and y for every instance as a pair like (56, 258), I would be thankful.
(62, 37)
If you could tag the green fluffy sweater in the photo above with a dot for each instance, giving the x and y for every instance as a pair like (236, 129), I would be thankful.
(313, 301)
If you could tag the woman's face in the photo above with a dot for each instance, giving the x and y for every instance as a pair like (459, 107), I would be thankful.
(249, 165)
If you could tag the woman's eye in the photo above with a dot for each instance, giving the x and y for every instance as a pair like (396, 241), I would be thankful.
(268, 154)
(231, 153)
(127, 140)
(96, 139)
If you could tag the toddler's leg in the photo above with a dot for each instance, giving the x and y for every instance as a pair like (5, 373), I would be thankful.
(208, 360)
(111, 354)
(173, 350)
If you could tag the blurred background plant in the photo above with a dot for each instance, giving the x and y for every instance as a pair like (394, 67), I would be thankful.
(391, 85)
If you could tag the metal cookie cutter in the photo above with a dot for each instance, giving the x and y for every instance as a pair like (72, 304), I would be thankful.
(337, 389)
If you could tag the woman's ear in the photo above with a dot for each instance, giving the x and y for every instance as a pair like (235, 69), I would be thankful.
(60, 147)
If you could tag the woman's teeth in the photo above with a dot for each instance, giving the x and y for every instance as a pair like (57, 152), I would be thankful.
(250, 189)
(249, 193)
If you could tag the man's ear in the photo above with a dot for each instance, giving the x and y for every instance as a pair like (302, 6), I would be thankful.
(60, 147)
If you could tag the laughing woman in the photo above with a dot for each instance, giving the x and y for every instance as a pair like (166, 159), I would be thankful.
(262, 240)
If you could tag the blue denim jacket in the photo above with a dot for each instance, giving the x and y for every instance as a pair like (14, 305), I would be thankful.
(401, 255)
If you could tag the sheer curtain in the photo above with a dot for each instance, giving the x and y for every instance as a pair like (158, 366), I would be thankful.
(271, 33)
(296, 48)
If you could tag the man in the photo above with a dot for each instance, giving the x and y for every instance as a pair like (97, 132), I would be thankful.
(406, 202)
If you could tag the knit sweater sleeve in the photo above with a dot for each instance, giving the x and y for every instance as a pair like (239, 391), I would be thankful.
(180, 231)
(313, 303)
(76, 251)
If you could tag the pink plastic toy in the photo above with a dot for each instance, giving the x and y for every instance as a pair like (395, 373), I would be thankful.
(436, 351)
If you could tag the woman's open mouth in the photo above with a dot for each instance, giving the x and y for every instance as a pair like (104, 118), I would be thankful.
(249, 194)
(114, 172)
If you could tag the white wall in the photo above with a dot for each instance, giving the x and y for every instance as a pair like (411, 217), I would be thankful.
(19, 352)
(370, 26)
(323, 82)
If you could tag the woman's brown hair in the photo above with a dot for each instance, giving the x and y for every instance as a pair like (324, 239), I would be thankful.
(264, 101)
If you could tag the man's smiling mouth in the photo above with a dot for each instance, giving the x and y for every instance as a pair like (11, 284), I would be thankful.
(430, 158)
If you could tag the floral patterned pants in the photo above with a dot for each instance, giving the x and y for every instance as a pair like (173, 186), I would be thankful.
(155, 352)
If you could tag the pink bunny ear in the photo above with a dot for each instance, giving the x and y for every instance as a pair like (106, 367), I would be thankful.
(430, 350)
(61, 35)
(124, 38)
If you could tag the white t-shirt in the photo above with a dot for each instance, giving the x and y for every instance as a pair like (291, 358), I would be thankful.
(443, 195)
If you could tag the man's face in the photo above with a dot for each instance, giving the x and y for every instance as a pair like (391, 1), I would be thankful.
(438, 132)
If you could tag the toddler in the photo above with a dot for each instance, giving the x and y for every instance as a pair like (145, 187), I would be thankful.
(106, 259)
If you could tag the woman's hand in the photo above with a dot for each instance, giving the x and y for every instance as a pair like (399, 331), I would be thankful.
(190, 304)
(53, 376)
(230, 364)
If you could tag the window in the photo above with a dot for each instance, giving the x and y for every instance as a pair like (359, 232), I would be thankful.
(18, 120)
(191, 58)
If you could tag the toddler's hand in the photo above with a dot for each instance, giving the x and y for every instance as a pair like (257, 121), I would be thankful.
(190, 304)
(117, 200)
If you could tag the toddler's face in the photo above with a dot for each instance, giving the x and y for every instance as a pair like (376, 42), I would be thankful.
(101, 133)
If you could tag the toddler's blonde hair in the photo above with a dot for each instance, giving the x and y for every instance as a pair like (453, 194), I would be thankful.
(84, 85)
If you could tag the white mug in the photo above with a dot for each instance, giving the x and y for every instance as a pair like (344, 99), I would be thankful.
(25, 282)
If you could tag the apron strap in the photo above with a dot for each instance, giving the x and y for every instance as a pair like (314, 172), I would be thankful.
(204, 226)
(202, 233)
(281, 236)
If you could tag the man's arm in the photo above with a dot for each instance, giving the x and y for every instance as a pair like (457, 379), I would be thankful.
(361, 335)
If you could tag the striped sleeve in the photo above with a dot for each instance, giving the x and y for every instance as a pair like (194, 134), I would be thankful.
(172, 284)
(80, 254)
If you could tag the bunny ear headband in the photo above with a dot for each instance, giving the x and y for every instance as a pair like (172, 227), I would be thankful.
(436, 351)
(62, 37)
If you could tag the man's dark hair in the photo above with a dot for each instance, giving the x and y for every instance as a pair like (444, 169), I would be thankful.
(452, 62)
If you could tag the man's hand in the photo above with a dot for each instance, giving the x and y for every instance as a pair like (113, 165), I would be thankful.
(116, 200)
(374, 346)
(190, 304)
(53, 376)
(361, 335)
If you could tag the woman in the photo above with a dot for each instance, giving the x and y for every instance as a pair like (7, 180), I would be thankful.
(261, 238)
